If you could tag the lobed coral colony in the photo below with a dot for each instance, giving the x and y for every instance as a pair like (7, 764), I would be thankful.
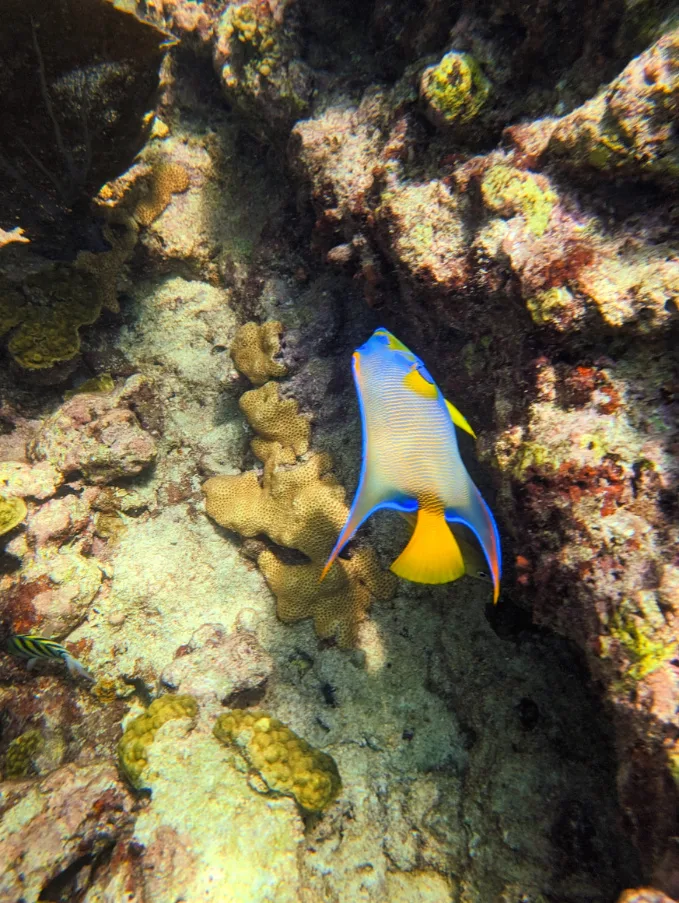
(211, 686)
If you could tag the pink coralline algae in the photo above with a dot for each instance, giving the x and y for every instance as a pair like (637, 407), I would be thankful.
(97, 436)
(76, 811)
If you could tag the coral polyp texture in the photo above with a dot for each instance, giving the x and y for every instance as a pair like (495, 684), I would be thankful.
(166, 178)
(254, 349)
(454, 90)
(133, 748)
(286, 762)
(282, 432)
(12, 512)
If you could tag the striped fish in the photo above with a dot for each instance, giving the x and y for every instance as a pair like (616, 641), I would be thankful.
(411, 463)
(36, 648)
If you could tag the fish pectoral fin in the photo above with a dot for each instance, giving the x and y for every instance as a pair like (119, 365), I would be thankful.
(433, 554)
(459, 420)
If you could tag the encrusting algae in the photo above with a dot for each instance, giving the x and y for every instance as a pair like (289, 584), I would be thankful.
(133, 747)
(287, 763)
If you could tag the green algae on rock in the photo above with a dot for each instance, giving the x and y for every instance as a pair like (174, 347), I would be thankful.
(510, 191)
(286, 762)
(138, 736)
(12, 512)
(454, 90)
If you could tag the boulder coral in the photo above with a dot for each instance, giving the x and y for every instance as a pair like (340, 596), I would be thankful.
(139, 733)
(287, 763)
(254, 350)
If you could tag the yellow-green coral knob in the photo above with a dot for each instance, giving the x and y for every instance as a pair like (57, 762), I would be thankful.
(286, 762)
(454, 90)
(133, 747)
(12, 512)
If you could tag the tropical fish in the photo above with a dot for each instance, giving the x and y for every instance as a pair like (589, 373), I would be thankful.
(411, 463)
(35, 648)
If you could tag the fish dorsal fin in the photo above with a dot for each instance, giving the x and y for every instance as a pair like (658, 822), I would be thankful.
(432, 555)
(459, 420)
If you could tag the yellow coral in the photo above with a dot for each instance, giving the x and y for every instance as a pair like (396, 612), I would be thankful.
(20, 754)
(338, 604)
(12, 512)
(286, 762)
(509, 191)
(303, 508)
(166, 179)
(283, 433)
(253, 350)
(133, 747)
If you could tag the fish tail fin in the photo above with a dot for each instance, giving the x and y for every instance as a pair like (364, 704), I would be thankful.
(75, 669)
(433, 554)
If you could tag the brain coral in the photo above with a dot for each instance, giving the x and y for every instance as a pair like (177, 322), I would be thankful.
(285, 761)
(253, 350)
(133, 746)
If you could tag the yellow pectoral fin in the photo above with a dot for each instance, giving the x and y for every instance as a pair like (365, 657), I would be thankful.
(459, 420)
(432, 555)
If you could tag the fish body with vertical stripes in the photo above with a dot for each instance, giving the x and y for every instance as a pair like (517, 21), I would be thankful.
(411, 463)
(38, 648)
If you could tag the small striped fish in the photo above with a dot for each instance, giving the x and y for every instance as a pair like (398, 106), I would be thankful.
(25, 645)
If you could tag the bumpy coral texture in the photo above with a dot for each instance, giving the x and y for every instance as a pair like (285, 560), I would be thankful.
(454, 90)
(286, 762)
(303, 508)
(134, 744)
(509, 191)
(166, 179)
(21, 753)
(12, 512)
(254, 349)
(282, 432)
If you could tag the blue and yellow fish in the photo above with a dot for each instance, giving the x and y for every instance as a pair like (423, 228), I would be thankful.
(411, 462)
(36, 648)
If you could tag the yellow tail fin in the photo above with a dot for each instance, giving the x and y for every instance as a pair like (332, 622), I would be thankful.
(432, 555)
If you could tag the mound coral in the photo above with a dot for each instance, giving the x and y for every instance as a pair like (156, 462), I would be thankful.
(454, 90)
(12, 512)
(254, 349)
(287, 763)
(166, 179)
(133, 746)
(20, 754)
(509, 191)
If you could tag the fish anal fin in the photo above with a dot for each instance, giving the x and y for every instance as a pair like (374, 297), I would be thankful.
(432, 555)
(459, 420)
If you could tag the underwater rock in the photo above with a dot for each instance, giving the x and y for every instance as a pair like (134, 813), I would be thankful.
(215, 667)
(76, 811)
(286, 762)
(628, 129)
(98, 436)
(256, 52)
(80, 78)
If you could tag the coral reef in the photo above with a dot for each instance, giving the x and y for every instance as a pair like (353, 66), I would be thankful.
(283, 433)
(254, 349)
(20, 754)
(166, 179)
(133, 749)
(627, 129)
(285, 762)
(454, 90)
(81, 80)
(79, 810)
(98, 436)
(256, 52)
